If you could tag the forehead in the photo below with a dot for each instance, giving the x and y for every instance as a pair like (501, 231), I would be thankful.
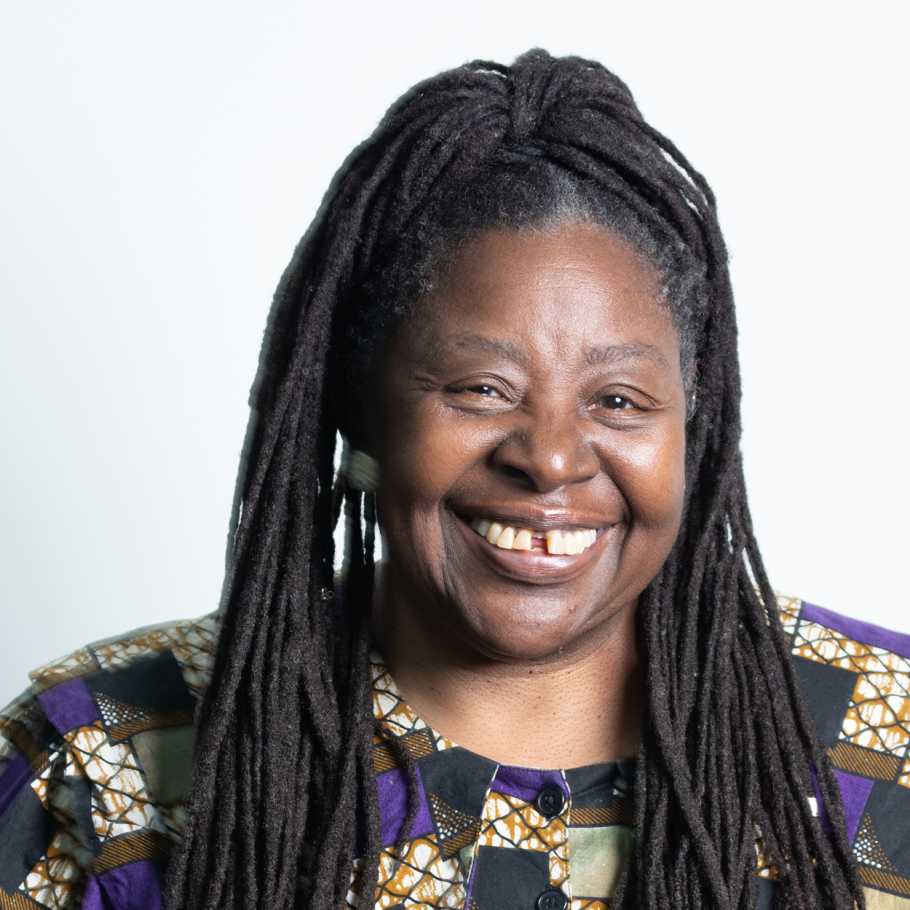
(572, 290)
(584, 252)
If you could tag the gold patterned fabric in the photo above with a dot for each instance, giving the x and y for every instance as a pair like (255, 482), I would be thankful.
(95, 758)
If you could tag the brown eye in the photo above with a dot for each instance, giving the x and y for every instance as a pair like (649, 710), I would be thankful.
(487, 390)
(615, 402)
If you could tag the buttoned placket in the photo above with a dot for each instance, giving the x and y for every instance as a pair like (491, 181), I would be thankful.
(523, 824)
(488, 836)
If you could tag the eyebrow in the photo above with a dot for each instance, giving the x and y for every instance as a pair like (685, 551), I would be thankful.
(600, 354)
(482, 345)
(630, 350)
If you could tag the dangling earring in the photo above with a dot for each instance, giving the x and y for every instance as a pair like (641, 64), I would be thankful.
(360, 470)
(358, 474)
(362, 473)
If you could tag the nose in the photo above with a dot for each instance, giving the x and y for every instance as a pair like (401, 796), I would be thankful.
(546, 453)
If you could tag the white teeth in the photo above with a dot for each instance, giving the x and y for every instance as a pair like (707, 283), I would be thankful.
(559, 543)
(522, 540)
(555, 544)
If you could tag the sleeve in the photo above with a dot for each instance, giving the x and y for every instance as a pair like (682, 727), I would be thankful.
(95, 759)
(43, 851)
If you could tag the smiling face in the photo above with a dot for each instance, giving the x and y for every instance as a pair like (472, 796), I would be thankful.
(536, 388)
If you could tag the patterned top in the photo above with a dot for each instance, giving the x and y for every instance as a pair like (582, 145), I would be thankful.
(95, 756)
(489, 836)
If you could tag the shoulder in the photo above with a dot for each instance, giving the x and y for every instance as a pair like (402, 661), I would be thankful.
(94, 762)
(857, 679)
(186, 644)
(856, 676)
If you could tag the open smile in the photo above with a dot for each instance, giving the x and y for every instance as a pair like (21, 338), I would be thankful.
(556, 542)
(534, 554)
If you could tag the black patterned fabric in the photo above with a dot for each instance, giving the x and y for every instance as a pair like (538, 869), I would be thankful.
(95, 759)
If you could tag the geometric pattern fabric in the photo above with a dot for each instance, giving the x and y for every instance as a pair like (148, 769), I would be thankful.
(95, 758)
(482, 838)
(90, 791)
(857, 679)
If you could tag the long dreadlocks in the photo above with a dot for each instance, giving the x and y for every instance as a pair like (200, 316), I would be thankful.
(285, 738)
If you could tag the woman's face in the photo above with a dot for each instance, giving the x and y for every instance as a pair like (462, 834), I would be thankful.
(537, 387)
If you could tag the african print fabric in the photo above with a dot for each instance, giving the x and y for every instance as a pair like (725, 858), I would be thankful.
(95, 759)
(489, 836)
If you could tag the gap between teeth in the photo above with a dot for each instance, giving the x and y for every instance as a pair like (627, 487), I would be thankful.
(559, 543)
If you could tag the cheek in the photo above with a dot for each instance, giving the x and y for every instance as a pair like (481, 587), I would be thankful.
(425, 452)
(653, 479)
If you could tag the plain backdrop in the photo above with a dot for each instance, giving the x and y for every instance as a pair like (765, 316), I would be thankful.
(159, 162)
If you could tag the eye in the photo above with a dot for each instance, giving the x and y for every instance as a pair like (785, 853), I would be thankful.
(480, 397)
(615, 402)
(486, 390)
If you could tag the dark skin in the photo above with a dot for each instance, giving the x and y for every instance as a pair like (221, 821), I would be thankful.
(538, 385)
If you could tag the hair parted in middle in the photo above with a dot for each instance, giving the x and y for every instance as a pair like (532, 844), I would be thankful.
(284, 765)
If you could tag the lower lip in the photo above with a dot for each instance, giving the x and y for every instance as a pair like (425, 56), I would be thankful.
(533, 565)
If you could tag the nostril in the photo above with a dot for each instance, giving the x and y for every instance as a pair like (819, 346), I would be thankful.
(514, 473)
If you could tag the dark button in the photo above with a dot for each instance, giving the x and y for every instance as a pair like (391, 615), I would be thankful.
(551, 801)
(551, 899)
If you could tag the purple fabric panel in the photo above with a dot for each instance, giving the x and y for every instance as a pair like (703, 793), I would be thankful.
(393, 805)
(525, 783)
(95, 898)
(69, 705)
(864, 632)
(854, 791)
(16, 774)
(132, 887)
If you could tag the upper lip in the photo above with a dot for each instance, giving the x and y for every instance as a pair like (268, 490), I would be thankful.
(536, 519)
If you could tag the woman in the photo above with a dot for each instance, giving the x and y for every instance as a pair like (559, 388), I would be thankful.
(514, 306)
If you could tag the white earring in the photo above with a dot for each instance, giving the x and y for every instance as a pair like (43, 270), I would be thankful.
(361, 471)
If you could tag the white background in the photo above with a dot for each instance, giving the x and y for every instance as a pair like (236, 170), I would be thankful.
(159, 161)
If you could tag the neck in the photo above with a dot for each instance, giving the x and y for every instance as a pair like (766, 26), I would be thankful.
(579, 706)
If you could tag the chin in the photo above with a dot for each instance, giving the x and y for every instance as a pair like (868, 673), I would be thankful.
(528, 630)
